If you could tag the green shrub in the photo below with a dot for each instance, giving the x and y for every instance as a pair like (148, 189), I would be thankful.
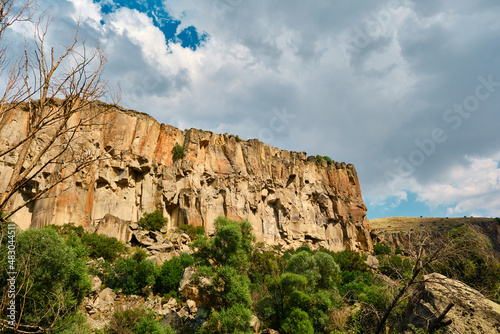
(238, 139)
(263, 264)
(131, 275)
(380, 249)
(319, 269)
(224, 260)
(297, 322)
(350, 260)
(170, 273)
(328, 159)
(149, 325)
(100, 245)
(191, 230)
(395, 266)
(471, 259)
(153, 221)
(136, 321)
(178, 152)
(51, 281)
(90, 244)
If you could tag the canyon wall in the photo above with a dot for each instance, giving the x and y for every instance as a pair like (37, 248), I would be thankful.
(287, 197)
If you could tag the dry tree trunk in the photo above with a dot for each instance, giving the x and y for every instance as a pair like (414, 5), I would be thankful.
(64, 86)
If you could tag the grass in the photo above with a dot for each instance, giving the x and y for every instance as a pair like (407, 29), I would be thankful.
(393, 224)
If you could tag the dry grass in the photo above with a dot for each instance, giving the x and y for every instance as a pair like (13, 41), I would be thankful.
(404, 224)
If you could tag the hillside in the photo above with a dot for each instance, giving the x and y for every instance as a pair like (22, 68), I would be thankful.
(405, 224)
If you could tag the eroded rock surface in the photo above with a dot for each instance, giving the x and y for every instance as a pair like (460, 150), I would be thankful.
(471, 311)
(288, 198)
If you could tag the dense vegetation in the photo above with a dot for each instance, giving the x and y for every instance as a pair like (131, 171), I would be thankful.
(298, 291)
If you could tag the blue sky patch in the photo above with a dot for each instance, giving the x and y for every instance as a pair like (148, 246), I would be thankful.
(409, 208)
(188, 38)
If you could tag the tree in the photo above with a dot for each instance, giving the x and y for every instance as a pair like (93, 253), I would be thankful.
(49, 94)
(285, 292)
(51, 282)
(224, 259)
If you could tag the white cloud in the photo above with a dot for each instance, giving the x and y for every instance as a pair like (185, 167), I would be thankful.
(467, 189)
(368, 108)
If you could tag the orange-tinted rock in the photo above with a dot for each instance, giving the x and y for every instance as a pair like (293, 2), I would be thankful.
(287, 199)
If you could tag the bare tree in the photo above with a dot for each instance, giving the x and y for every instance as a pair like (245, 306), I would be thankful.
(53, 92)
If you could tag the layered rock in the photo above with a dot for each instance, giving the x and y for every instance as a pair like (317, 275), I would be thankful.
(288, 198)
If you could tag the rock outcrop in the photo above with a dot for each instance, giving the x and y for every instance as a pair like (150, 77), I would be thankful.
(464, 309)
(287, 197)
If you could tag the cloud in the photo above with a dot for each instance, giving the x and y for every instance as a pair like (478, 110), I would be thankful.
(361, 82)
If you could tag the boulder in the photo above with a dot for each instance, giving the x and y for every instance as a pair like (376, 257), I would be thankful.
(189, 290)
(105, 300)
(96, 284)
(469, 311)
(173, 320)
(255, 324)
(114, 227)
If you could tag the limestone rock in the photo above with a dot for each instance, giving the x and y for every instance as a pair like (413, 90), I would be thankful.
(104, 300)
(191, 304)
(199, 319)
(255, 324)
(288, 198)
(471, 313)
(189, 290)
(372, 262)
(96, 284)
(114, 227)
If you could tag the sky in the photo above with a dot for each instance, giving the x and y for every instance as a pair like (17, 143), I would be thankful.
(407, 91)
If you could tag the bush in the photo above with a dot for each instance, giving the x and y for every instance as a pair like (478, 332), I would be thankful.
(136, 321)
(100, 245)
(170, 273)
(191, 230)
(131, 275)
(153, 221)
(52, 280)
(328, 159)
(380, 249)
(90, 244)
(320, 269)
(350, 260)
(297, 322)
(178, 152)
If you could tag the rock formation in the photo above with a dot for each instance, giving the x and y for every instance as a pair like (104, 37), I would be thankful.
(469, 311)
(287, 197)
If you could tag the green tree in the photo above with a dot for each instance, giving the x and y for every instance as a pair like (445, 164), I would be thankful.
(153, 221)
(224, 258)
(319, 268)
(284, 291)
(178, 152)
(131, 275)
(51, 282)
(297, 322)
(170, 273)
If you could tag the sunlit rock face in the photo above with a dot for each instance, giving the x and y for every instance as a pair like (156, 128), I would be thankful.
(288, 198)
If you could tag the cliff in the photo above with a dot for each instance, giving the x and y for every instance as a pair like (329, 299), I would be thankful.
(288, 198)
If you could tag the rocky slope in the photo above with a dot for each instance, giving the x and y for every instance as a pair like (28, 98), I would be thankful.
(402, 232)
(288, 197)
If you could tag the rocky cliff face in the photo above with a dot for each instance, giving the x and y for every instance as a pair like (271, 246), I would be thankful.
(288, 198)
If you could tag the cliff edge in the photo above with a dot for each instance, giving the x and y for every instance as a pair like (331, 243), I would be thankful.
(287, 197)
